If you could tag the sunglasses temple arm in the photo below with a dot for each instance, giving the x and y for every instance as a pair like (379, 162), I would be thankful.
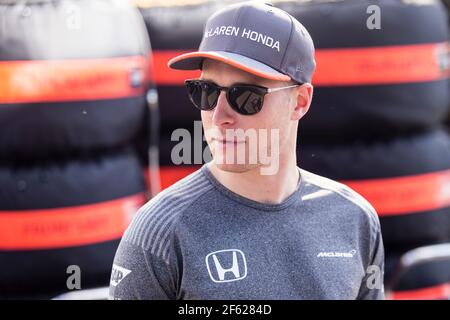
(282, 88)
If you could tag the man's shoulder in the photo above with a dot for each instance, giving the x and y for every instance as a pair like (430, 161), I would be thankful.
(334, 191)
(183, 190)
(152, 224)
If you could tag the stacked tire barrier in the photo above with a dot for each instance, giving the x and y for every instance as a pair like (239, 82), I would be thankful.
(377, 119)
(376, 122)
(74, 78)
(396, 70)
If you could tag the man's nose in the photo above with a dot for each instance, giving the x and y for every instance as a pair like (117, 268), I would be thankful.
(223, 114)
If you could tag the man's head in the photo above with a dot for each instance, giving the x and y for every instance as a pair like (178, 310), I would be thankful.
(253, 44)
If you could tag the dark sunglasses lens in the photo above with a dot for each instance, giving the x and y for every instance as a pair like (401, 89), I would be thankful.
(202, 94)
(246, 100)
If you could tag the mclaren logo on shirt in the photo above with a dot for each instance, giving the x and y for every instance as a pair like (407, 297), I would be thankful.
(118, 274)
(349, 254)
(226, 265)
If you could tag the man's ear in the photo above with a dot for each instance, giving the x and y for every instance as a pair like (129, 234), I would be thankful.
(304, 97)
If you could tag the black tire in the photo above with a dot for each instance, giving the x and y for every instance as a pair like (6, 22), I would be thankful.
(38, 125)
(339, 114)
(41, 271)
(422, 276)
(402, 157)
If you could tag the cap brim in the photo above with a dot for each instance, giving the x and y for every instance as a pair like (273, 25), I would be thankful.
(193, 61)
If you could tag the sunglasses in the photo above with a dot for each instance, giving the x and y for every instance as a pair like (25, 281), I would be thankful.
(245, 99)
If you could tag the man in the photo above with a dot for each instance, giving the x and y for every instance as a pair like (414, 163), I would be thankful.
(232, 230)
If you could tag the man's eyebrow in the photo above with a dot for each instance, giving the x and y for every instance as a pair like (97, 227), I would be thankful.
(245, 82)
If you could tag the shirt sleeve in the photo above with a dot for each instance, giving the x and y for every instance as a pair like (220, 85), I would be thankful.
(372, 286)
(140, 275)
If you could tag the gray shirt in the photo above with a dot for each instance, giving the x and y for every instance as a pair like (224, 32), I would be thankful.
(199, 240)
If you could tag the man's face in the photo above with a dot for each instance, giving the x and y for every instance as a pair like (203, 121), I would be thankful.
(267, 133)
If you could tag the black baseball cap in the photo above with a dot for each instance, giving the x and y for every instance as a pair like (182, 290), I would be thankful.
(257, 38)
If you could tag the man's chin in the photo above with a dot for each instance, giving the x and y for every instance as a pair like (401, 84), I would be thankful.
(236, 168)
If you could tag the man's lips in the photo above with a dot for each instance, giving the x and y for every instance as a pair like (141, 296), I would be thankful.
(224, 141)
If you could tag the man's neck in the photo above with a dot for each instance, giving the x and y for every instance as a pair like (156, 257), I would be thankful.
(253, 185)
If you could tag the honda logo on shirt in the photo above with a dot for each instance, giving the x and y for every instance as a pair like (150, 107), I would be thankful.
(226, 265)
